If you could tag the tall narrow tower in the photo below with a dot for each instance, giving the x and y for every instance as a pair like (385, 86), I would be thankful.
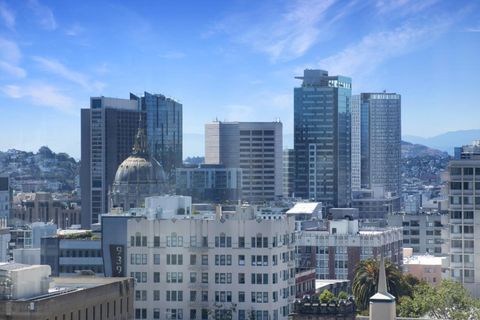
(322, 138)
(382, 303)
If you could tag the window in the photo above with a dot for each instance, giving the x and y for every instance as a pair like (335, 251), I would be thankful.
(223, 260)
(204, 277)
(204, 296)
(174, 241)
(193, 277)
(173, 295)
(241, 260)
(156, 258)
(241, 242)
(204, 259)
(156, 277)
(241, 278)
(156, 313)
(193, 296)
(193, 259)
(156, 295)
(174, 259)
(174, 277)
(156, 241)
(223, 241)
(241, 296)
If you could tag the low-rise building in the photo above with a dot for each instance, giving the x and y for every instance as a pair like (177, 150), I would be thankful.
(71, 251)
(424, 267)
(4, 240)
(421, 231)
(44, 207)
(223, 264)
(375, 203)
(335, 247)
(31, 294)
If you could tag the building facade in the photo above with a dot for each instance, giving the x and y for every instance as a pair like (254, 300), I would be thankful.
(226, 264)
(5, 197)
(380, 140)
(108, 130)
(421, 231)
(463, 232)
(336, 248)
(356, 144)
(72, 252)
(288, 173)
(164, 130)
(322, 138)
(108, 134)
(47, 207)
(29, 297)
(254, 147)
(210, 183)
(375, 204)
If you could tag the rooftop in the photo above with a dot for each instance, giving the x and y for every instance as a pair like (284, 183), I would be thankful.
(424, 260)
(304, 208)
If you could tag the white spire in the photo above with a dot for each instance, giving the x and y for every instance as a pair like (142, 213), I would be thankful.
(382, 277)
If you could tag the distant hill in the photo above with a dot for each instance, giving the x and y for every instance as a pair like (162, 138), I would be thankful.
(411, 150)
(447, 141)
(56, 171)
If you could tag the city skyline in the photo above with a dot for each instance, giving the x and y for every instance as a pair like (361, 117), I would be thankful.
(232, 61)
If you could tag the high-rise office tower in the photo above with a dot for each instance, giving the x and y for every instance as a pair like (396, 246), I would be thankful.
(108, 131)
(322, 135)
(256, 148)
(380, 140)
(109, 128)
(463, 230)
(356, 163)
(288, 173)
(164, 130)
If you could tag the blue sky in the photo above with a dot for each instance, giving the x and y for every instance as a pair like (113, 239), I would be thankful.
(231, 60)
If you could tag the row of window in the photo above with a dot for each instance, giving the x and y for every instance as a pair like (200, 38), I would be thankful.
(205, 314)
(222, 241)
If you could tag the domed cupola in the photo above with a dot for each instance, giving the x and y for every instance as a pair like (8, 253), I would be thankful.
(137, 177)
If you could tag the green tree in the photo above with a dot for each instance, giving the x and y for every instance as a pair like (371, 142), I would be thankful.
(326, 297)
(342, 295)
(365, 281)
(449, 300)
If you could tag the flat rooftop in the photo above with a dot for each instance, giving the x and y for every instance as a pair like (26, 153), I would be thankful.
(303, 208)
(426, 260)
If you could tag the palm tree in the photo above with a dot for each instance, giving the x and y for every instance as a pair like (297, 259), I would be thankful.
(365, 281)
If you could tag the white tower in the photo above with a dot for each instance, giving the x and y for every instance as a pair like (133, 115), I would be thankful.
(382, 303)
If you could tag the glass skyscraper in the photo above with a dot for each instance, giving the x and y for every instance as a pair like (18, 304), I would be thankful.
(380, 145)
(322, 138)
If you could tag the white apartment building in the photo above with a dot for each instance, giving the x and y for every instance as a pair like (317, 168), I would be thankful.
(222, 265)
(462, 236)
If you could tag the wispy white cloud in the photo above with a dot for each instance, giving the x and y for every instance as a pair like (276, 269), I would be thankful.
(402, 7)
(473, 29)
(75, 30)
(172, 55)
(7, 15)
(10, 56)
(12, 69)
(362, 58)
(44, 15)
(282, 35)
(42, 95)
(61, 70)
